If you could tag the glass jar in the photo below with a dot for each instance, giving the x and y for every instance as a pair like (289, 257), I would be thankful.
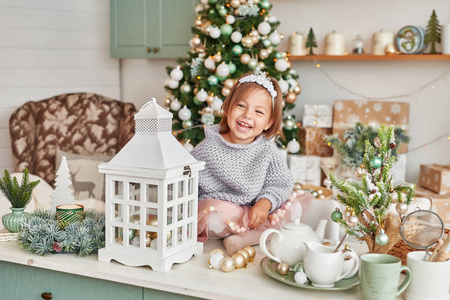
(358, 45)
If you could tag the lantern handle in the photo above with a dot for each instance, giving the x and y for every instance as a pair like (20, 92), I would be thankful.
(152, 100)
(187, 171)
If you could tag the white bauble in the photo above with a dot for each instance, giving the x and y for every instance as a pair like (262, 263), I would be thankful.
(215, 33)
(184, 113)
(175, 105)
(292, 83)
(272, 19)
(293, 146)
(176, 74)
(223, 70)
(209, 63)
(236, 37)
(173, 84)
(188, 146)
(284, 86)
(230, 19)
(202, 95)
(275, 38)
(215, 260)
(217, 104)
(281, 65)
(264, 28)
(166, 82)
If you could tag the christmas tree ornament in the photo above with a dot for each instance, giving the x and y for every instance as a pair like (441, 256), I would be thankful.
(251, 251)
(198, 22)
(376, 142)
(261, 65)
(222, 11)
(300, 277)
(226, 29)
(210, 99)
(217, 250)
(393, 145)
(284, 86)
(433, 32)
(184, 113)
(359, 172)
(198, 9)
(289, 123)
(202, 95)
(275, 38)
(223, 69)
(232, 67)
(336, 215)
(188, 146)
(263, 54)
(185, 88)
(215, 259)
(266, 43)
(239, 260)
(209, 63)
(186, 124)
(298, 89)
(281, 65)
(247, 42)
(195, 41)
(264, 28)
(167, 101)
(315, 194)
(208, 29)
(217, 57)
(352, 221)
(176, 74)
(227, 264)
(235, 3)
(230, 19)
(228, 83)
(237, 50)
(264, 4)
(283, 268)
(401, 208)
(255, 39)
(175, 105)
(213, 80)
(278, 55)
(291, 97)
(254, 32)
(236, 37)
(382, 238)
(212, 1)
(245, 59)
(225, 92)
(215, 33)
(292, 83)
(297, 186)
(375, 162)
(173, 84)
(293, 146)
(217, 104)
(253, 64)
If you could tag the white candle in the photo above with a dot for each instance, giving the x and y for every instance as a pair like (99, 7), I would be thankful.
(380, 40)
(297, 44)
(445, 38)
(335, 44)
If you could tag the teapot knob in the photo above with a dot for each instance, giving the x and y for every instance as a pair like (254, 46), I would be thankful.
(296, 221)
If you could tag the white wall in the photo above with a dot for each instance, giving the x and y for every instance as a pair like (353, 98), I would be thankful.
(430, 108)
(50, 47)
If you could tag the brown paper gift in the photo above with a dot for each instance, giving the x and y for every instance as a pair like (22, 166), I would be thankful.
(347, 113)
(440, 204)
(312, 142)
(435, 177)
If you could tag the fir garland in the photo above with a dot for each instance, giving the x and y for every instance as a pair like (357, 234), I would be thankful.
(42, 235)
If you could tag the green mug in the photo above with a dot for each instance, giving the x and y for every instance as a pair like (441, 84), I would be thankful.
(380, 275)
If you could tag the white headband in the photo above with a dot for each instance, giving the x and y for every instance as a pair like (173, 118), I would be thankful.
(264, 81)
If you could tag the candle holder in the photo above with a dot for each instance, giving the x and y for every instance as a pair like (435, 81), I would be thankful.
(69, 213)
(328, 164)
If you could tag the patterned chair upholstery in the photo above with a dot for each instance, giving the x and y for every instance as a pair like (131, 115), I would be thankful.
(82, 123)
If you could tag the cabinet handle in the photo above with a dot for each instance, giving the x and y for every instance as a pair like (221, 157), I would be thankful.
(47, 296)
(155, 49)
(149, 49)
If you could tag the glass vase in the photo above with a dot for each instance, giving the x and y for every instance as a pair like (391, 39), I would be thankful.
(13, 221)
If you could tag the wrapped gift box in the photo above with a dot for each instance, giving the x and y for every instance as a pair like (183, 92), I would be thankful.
(312, 142)
(305, 168)
(435, 177)
(440, 204)
(320, 115)
(374, 113)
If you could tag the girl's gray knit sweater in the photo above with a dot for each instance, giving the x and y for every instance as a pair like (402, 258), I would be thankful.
(242, 173)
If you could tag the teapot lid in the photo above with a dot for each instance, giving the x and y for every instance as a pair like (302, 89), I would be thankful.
(296, 226)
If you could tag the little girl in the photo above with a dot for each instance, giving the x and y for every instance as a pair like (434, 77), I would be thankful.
(245, 179)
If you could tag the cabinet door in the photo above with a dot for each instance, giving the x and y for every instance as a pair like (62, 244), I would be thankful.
(24, 282)
(150, 294)
(151, 28)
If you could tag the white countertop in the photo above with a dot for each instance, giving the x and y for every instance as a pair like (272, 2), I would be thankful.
(192, 278)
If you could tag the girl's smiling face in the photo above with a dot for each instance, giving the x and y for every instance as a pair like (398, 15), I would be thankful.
(249, 117)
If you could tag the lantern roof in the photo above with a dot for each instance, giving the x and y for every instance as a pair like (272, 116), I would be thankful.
(153, 146)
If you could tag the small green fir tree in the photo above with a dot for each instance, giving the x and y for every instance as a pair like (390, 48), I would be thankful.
(311, 41)
(18, 195)
(433, 34)
(368, 198)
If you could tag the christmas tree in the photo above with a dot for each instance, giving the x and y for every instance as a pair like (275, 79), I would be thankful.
(231, 38)
(367, 199)
(311, 41)
(433, 34)
(62, 193)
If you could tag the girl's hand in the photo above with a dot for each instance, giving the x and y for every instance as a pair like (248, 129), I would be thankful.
(259, 213)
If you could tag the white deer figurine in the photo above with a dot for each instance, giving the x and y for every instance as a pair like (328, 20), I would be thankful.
(82, 186)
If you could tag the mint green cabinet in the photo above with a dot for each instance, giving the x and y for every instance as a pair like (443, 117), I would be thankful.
(151, 28)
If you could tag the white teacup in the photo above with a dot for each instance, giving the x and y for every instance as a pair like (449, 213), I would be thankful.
(324, 267)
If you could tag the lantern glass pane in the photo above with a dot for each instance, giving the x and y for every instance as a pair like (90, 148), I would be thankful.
(169, 215)
(135, 217)
(180, 189)
(179, 235)
(180, 212)
(152, 217)
(118, 189)
(149, 238)
(190, 186)
(118, 235)
(190, 208)
(133, 210)
(189, 231)
(152, 193)
(118, 212)
(170, 191)
(135, 191)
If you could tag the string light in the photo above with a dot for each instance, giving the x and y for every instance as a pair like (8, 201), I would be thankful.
(425, 145)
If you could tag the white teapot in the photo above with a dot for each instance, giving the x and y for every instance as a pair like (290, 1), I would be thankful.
(287, 244)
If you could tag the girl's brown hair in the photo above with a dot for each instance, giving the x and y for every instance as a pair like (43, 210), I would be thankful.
(241, 91)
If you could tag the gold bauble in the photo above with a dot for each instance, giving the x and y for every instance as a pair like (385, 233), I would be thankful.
(254, 32)
(390, 49)
(228, 83)
(245, 59)
(263, 54)
(135, 219)
(261, 65)
(250, 251)
(283, 103)
(247, 41)
(217, 57)
(210, 99)
(235, 3)
(245, 254)
(239, 260)
(169, 235)
(152, 220)
(291, 97)
(243, 1)
(298, 89)
(227, 264)
(255, 1)
(218, 113)
(283, 268)
(217, 251)
(297, 186)
(195, 91)
(255, 40)
(148, 240)
(198, 22)
(289, 65)
(167, 101)
(225, 92)
(153, 235)
(196, 41)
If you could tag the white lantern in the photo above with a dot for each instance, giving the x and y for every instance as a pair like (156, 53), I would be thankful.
(151, 193)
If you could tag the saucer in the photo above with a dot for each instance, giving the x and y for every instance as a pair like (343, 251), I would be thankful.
(270, 268)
